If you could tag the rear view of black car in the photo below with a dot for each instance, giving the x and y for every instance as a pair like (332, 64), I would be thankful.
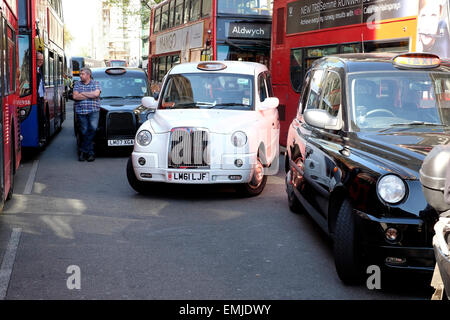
(365, 124)
(122, 92)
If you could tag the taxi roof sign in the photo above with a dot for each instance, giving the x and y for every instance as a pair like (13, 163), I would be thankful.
(417, 60)
(211, 66)
(116, 71)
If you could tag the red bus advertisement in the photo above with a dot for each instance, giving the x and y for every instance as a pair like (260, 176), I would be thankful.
(41, 29)
(305, 30)
(10, 152)
(204, 30)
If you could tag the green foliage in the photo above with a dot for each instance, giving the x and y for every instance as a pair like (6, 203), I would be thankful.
(124, 5)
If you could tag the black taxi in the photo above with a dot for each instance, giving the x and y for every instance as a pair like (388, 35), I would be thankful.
(365, 123)
(121, 111)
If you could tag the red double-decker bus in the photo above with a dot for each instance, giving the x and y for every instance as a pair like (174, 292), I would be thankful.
(204, 30)
(41, 28)
(305, 30)
(10, 151)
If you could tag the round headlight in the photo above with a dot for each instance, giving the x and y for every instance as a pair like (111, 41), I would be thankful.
(391, 189)
(239, 139)
(144, 138)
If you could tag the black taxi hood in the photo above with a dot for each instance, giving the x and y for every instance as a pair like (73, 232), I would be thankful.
(399, 151)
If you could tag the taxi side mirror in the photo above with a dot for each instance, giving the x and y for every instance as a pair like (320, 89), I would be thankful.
(322, 119)
(269, 103)
(150, 103)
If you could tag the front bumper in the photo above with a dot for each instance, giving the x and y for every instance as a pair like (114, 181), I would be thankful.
(411, 251)
(226, 172)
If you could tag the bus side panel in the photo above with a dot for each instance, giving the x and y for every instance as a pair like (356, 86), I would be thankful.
(30, 129)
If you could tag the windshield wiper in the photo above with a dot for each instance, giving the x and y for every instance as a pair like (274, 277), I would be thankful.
(194, 105)
(418, 123)
(133, 97)
(232, 105)
(111, 97)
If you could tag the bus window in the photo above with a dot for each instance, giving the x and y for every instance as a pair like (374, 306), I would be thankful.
(165, 17)
(351, 48)
(391, 46)
(250, 7)
(206, 7)
(12, 59)
(157, 21)
(178, 12)
(296, 69)
(24, 65)
(195, 10)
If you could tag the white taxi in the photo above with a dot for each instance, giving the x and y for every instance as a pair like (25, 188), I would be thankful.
(213, 123)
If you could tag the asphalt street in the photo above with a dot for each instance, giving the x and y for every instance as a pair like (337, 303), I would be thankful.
(182, 242)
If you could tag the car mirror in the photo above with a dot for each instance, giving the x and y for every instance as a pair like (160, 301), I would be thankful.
(269, 103)
(150, 103)
(322, 119)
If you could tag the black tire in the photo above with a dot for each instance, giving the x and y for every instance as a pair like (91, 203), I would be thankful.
(347, 253)
(250, 189)
(294, 204)
(137, 185)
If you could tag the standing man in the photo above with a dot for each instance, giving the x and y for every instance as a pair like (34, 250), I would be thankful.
(43, 124)
(86, 94)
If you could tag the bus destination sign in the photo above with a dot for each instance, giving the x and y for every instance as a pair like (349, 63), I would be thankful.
(310, 15)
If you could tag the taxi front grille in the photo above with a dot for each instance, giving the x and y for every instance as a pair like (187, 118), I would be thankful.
(188, 149)
(120, 124)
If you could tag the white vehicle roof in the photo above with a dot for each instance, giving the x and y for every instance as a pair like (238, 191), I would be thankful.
(236, 67)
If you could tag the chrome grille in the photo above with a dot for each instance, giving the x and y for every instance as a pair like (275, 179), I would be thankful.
(188, 148)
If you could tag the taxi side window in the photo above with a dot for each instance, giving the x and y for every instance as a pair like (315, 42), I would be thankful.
(305, 92)
(269, 84)
(331, 100)
(315, 89)
(262, 87)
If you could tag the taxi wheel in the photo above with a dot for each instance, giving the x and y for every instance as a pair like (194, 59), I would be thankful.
(347, 256)
(137, 185)
(294, 204)
(256, 184)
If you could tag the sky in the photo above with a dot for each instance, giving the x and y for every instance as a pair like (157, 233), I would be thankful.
(79, 17)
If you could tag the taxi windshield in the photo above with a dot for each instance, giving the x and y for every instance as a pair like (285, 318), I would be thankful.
(208, 91)
(398, 99)
(125, 86)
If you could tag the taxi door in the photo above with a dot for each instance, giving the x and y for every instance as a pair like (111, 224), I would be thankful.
(271, 121)
(323, 146)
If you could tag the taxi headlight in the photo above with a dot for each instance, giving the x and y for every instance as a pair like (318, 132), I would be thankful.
(144, 138)
(239, 139)
(391, 189)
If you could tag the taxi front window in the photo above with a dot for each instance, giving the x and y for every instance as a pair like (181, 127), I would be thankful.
(125, 86)
(395, 99)
(208, 91)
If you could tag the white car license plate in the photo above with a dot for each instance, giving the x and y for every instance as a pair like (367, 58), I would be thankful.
(121, 142)
(188, 177)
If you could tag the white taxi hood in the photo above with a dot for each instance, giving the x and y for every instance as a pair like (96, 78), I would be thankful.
(216, 121)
